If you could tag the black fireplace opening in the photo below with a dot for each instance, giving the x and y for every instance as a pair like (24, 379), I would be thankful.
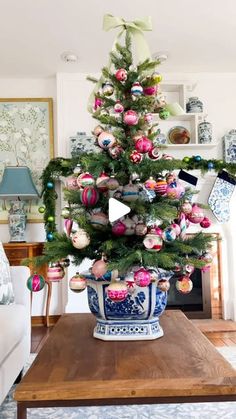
(194, 304)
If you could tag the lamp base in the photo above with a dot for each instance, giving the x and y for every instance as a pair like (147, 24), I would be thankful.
(17, 221)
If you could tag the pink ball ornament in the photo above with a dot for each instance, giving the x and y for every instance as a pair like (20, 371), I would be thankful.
(135, 157)
(205, 223)
(101, 182)
(99, 268)
(154, 153)
(85, 179)
(175, 190)
(97, 103)
(167, 157)
(142, 277)
(143, 145)
(77, 283)
(106, 140)
(150, 90)
(188, 270)
(55, 273)
(115, 151)
(156, 230)
(148, 118)
(117, 291)
(136, 89)
(121, 74)
(197, 215)
(35, 282)
(71, 183)
(118, 229)
(130, 118)
(118, 107)
(89, 196)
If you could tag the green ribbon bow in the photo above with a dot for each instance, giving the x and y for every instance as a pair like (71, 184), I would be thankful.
(136, 28)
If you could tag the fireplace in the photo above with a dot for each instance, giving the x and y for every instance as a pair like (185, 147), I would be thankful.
(205, 299)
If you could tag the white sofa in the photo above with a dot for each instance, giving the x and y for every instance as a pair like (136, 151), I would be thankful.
(15, 331)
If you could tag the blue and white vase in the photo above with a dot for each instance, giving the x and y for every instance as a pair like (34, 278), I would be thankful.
(229, 146)
(204, 132)
(194, 105)
(17, 221)
(135, 318)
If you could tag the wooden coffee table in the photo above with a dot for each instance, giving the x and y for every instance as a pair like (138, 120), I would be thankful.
(74, 369)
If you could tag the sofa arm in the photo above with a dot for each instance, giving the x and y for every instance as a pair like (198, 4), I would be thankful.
(19, 275)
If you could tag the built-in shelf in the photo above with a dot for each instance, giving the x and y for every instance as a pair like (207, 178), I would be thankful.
(191, 145)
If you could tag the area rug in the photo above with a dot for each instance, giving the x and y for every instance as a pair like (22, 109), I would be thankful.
(163, 411)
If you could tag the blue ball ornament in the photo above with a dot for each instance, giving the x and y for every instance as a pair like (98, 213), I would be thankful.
(210, 165)
(50, 185)
(197, 158)
(50, 237)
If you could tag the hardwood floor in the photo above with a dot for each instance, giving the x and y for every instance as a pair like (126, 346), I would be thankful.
(219, 332)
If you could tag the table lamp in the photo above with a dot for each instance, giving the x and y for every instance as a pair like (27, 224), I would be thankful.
(17, 184)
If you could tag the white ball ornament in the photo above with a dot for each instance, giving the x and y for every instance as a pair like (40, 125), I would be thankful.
(77, 283)
(130, 192)
(106, 140)
(80, 239)
(99, 220)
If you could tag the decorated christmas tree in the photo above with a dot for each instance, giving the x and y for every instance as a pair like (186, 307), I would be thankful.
(147, 246)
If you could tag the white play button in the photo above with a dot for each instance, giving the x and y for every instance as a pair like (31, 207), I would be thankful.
(116, 209)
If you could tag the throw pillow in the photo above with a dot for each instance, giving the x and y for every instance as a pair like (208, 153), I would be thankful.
(6, 288)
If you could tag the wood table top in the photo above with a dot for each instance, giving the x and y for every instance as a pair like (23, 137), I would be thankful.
(181, 366)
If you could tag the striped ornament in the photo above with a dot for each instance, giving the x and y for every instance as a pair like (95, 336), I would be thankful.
(161, 186)
(89, 196)
(55, 274)
(35, 283)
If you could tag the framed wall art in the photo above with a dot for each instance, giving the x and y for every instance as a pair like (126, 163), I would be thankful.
(26, 139)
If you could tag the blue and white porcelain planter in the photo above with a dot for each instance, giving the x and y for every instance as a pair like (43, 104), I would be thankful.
(135, 318)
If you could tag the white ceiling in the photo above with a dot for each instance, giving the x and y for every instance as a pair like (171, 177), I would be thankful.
(199, 35)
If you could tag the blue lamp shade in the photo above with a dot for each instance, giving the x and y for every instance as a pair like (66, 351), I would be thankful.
(17, 182)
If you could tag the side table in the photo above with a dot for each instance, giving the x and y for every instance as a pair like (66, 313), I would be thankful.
(16, 252)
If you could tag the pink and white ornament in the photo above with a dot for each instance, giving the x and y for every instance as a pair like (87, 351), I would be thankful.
(130, 118)
(97, 103)
(169, 234)
(197, 215)
(80, 239)
(89, 196)
(144, 145)
(71, 183)
(68, 223)
(101, 182)
(175, 190)
(115, 151)
(136, 89)
(118, 229)
(117, 291)
(176, 227)
(106, 140)
(77, 283)
(99, 268)
(167, 157)
(153, 242)
(118, 107)
(184, 285)
(85, 179)
(55, 273)
(121, 75)
(150, 184)
(140, 229)
(135, 157)
(142, 277)
(163, 285)
(186, 207)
